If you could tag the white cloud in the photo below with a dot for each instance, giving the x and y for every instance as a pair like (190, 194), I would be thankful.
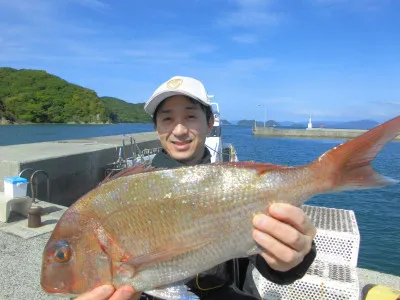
(387, 102)
(253, 3)
(257, 17)
(329, 1)
(96, 4)
(250, 13)
(40, 31)
(26, 7)
(394, 103)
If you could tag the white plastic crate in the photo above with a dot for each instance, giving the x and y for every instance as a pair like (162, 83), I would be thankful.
(338, 237)
(333, 274)
(323, 281)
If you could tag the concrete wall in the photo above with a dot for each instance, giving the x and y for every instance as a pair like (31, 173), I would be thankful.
(74, 167)
(309, 133)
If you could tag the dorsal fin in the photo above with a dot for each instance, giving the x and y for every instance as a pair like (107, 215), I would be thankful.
(136, 169)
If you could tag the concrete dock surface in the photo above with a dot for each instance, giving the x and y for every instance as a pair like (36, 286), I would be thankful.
(21, 254)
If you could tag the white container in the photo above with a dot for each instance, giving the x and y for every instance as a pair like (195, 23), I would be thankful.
(15, 187)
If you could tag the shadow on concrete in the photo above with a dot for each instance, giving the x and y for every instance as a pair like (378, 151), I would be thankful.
(15, 217)
(49, 222)
(50, 209)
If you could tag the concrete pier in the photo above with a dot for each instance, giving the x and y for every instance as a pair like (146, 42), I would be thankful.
(314, 133)
(74, 166)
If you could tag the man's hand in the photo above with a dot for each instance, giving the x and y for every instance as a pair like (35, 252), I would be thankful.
(285, 234)
(108, 292)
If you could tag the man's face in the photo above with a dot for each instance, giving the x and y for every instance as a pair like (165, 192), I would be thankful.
(182, 128)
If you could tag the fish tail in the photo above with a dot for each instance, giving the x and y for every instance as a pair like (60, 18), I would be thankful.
(347, 167)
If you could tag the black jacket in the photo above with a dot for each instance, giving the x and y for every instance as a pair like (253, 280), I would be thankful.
(230, 280)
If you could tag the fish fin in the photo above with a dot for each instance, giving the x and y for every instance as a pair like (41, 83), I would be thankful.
(123, 271)
(175, 292)
(165, 253)
(260, 168)
(136, 169)
(256, 249)
(348, 165)
(111, 248)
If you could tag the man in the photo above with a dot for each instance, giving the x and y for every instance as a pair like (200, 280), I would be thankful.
(183, 118)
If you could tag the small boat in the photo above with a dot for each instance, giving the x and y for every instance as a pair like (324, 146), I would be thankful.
(220, 151)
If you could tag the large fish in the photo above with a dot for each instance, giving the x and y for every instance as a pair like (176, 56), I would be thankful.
(156, 229)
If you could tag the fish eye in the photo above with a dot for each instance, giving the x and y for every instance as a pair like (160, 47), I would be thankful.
(62, 253)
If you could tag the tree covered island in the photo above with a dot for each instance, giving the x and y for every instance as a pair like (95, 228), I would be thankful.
(35, 96)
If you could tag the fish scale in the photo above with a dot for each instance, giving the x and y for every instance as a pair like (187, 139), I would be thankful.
(207, 220)
(221, 227)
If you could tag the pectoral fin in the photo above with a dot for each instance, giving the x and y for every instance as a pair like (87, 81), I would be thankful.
(256, 249)
(163, 254)
(117, 256)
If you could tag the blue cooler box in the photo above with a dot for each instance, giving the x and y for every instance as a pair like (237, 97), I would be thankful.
(15, 186)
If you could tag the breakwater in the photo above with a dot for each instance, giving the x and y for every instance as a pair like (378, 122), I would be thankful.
(74, 167)
(314, 133)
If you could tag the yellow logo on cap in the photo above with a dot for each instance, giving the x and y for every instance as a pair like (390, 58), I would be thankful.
(174, 83)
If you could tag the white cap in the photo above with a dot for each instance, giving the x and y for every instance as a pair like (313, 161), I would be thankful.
(177, 85)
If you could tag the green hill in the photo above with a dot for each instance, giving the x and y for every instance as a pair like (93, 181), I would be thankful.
(124, 112)
(36, 96)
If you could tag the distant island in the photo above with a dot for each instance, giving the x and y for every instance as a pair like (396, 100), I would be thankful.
(270, 123)
(361, 124)
(35, 96)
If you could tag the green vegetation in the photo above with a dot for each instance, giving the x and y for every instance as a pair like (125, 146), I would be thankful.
(34, 96)
(124, 112)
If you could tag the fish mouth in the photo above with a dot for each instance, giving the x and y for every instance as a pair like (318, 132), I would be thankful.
(61, 288)
(61, 292)
(64, 295)
(54, 290)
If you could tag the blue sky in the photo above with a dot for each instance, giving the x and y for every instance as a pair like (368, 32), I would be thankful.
(334, 59)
